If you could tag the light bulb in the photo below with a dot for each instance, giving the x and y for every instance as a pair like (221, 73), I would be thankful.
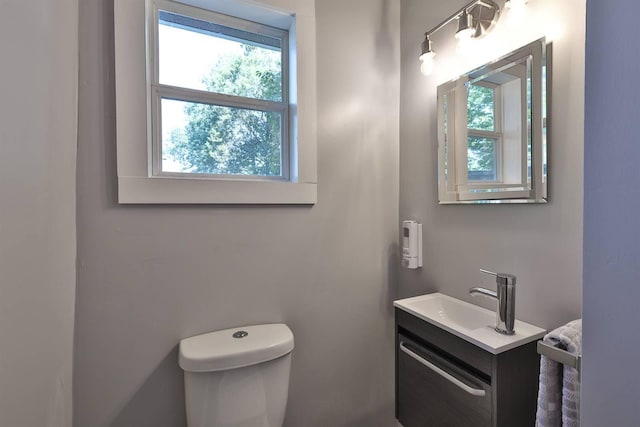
(465, 47)
(466, 34)
(427, 63)
(513, 4)
(517, 7)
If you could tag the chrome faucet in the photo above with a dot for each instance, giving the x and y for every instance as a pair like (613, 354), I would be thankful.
(506, 297)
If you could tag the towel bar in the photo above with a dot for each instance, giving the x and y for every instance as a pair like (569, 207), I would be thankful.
(559, 355)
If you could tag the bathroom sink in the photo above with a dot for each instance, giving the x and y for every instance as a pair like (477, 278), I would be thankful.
(468, 321)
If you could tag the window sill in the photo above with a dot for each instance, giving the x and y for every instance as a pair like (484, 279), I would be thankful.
(159, 190)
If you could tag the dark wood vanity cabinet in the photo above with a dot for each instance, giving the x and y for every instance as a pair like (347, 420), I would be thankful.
(445, 381)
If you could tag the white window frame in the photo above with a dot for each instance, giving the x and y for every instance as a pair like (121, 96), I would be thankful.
(138, 182)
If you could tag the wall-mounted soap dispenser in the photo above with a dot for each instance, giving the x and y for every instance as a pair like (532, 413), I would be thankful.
(411, 244)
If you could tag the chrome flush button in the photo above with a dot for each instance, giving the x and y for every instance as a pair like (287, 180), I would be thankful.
(240, 334)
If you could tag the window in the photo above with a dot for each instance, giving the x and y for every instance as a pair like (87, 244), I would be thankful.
(215, 101)
(219, 95)
(484, 132)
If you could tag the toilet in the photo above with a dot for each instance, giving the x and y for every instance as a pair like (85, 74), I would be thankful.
(237, 377)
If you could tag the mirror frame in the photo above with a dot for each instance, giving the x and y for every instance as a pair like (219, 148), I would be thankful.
(454, 93)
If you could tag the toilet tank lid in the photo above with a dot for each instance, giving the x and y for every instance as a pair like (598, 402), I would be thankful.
(235, 347)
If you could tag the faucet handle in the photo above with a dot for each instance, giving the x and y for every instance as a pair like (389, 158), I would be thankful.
(488, 272)
(502, 278)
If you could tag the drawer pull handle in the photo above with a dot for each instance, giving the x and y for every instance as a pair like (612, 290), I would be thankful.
(442, 373)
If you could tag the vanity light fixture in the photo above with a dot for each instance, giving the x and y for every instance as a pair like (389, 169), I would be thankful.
(475, 20)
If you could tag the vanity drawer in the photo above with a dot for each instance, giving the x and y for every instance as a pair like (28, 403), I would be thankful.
(435, 392)
(456, 347)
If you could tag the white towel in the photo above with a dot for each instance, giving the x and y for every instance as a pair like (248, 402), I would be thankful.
(559, 392)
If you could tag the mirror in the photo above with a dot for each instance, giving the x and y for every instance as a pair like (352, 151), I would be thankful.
(492, 144)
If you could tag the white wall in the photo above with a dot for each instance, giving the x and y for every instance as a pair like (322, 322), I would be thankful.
(38, 83)
(151, 275)
(611, 380)
(541, 244)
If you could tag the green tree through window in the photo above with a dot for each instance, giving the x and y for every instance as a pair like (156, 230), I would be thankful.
(481, 151)
(480, 108)
(224, 140)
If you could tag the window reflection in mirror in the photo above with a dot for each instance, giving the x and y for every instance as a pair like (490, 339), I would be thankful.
(491, 133)
(483, 131)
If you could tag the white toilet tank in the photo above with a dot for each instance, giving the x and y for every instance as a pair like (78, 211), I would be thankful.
(237, 377)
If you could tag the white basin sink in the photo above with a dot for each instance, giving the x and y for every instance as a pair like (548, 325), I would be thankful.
(469, 322)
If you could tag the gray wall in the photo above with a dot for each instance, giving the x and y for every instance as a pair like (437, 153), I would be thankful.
(39, 80)
(611, 380)
(151, 275)
(541, 244)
